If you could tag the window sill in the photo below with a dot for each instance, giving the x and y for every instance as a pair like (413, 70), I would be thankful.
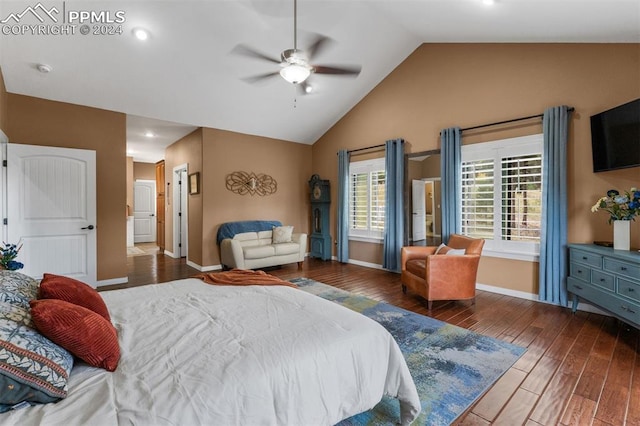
(512, 255)
(372, 240)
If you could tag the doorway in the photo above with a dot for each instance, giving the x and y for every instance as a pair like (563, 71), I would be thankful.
(423, 218)
(144, 211)
(180, 211)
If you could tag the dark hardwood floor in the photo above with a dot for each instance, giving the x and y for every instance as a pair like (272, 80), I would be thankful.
(578, 369)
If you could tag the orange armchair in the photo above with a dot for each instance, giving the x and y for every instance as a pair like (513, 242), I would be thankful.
(442, 277)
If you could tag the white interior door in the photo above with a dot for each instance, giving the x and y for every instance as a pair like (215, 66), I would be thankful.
(418, 214)
(144, 211)
(51, 210)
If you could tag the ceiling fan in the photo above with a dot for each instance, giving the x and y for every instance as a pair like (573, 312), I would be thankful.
(295, 64)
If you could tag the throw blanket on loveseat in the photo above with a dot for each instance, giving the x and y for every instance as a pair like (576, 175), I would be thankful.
(229, 229)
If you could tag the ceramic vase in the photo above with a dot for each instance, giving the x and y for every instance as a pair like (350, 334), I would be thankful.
(621, 235)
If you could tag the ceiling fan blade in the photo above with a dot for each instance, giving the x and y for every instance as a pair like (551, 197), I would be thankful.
(260, 77)
(319, 44)
(322, 69)
(241, 49)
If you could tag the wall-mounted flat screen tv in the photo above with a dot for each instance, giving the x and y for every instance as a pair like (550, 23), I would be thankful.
(615, 137)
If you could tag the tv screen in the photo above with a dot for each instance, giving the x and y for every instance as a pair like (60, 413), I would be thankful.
(615, 137)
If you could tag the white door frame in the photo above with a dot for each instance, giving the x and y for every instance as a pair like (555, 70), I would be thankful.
(179, 196)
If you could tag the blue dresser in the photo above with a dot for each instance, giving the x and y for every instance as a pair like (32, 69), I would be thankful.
(606, 278)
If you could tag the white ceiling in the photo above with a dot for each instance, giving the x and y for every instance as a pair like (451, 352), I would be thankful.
(184, 73)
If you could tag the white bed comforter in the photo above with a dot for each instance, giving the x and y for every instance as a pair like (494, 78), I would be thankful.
(197, 354)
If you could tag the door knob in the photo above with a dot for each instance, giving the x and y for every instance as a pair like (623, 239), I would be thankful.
(90, 227)
(152, 215)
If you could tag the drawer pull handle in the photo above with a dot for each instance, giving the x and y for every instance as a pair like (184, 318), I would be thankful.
(624, 308)
(623, 268)
(579, 271)
(630, 289)
(602, 280)
(578, 287)
(584, 257)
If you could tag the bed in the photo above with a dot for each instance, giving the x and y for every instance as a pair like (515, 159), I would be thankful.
(199, 354)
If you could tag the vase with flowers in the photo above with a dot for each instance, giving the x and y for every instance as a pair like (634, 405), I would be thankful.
(8, 254)
(622, 209)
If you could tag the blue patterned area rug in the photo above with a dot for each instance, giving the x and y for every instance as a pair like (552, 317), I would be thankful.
(451, 366)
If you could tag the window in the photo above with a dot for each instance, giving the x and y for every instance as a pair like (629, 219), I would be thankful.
(367, 184)
(502, 194)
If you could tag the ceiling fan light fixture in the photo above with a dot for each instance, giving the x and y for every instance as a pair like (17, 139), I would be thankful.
(295, 73)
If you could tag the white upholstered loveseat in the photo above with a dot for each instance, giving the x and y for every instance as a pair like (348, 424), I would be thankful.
(250, 245)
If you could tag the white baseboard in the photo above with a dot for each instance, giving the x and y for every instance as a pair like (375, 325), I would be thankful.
(112, 281)
(170, 254)
(361, 263)
(501, 290)
(536, 298)
(204, 268)
(508, 292)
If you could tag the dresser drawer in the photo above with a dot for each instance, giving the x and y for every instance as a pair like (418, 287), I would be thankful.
(623, 308)
(604, 280)
(586, 291)
(622, 268)
(585, 257)
(629, 289)
(580, 271)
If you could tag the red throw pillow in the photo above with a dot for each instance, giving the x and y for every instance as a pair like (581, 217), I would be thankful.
(72, 291)
(81, 331)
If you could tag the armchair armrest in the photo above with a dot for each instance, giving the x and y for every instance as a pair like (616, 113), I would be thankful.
(415, 252)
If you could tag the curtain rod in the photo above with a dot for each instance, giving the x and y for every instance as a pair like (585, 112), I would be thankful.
(570, 109)
(364, 149)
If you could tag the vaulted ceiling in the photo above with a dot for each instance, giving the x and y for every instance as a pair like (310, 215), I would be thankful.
(184, 75)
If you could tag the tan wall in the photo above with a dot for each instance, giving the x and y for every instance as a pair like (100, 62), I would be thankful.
(144, 171)
(187, 150)
(37, 121)
(130, 179)
(443, 85)
(288, 163)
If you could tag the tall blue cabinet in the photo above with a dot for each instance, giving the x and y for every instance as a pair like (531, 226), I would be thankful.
(320, 240)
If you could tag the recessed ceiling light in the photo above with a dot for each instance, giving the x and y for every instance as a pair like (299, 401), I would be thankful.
(308, 89)
(149, 134)
(141, 33)
(488, 2)
(44, 68)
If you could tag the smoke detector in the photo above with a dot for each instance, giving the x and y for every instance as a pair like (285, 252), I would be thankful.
(44, 68)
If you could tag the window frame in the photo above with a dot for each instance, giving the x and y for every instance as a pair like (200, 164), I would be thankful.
(369, 167)
(497, 151)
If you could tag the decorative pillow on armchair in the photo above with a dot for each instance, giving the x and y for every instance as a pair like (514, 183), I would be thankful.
(282, 234)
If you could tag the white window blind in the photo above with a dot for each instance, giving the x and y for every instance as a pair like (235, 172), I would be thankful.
(367, 184)
(477, 198)
(521, 197)
(502, 194)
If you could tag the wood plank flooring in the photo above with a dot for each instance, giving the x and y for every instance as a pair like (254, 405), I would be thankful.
(581, 369)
